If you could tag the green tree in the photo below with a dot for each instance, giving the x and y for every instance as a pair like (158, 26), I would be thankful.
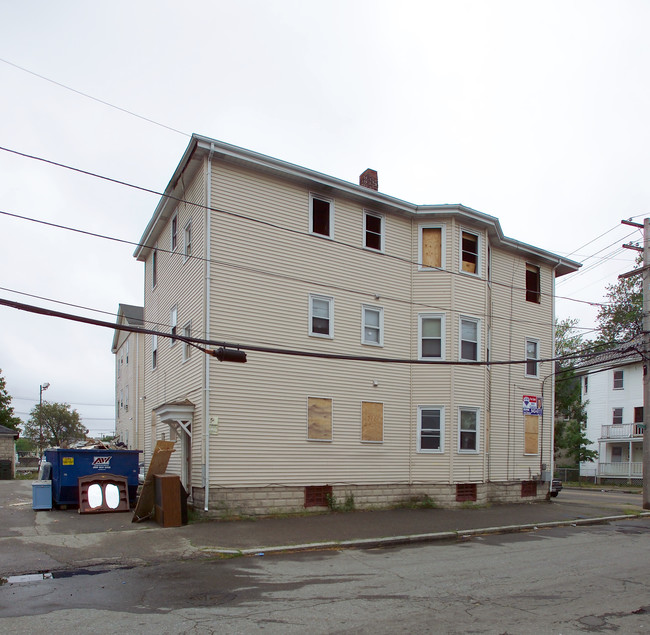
(59, 424)
(7, 417)
(575, 442)
(570, 416)
(621, 318)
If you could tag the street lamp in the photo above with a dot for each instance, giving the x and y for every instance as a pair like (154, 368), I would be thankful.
(44, 386)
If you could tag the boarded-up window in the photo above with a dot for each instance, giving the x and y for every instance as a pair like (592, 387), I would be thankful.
(319, 419)
(532, 283)
(531, 434)
(431, 247)
(469, 252)
(372, 421)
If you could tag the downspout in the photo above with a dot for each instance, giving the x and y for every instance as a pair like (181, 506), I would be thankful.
(206, 322)
(552, 387)
(136, 394)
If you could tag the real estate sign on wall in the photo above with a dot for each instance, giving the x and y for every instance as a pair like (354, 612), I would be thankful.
(532, 405)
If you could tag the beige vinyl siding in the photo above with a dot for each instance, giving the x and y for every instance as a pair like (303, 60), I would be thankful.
(271, 434)
(181, 284)
(514, 321)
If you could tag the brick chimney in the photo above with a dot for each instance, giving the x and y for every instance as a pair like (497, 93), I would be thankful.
(369, 179)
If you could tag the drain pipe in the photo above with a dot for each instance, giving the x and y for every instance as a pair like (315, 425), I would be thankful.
(206, 322)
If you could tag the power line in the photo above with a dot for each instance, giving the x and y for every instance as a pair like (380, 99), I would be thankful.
(197, 343)
(101, 101)
(241, 217)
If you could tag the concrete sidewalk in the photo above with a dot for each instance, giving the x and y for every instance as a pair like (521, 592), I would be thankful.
(35, 541)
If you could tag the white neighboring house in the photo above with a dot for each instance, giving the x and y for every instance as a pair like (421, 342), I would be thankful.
(128, 348)
(613, 390)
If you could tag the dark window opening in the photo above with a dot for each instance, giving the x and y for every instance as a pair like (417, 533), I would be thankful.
(373, 232)
(320, 223)
(533, 293)
(638, 414)
(469, 247)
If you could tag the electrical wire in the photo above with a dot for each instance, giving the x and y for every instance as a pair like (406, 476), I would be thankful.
(100, 101)
(242, 217)
(200, 343)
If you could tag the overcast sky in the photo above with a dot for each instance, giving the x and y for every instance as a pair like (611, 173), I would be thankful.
(533, 112)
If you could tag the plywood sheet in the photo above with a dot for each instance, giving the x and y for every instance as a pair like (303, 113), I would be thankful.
(372, 421)
(144, 508)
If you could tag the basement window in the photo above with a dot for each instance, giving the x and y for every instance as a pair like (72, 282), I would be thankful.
(528, 488)
(465, 492)
(317, 495)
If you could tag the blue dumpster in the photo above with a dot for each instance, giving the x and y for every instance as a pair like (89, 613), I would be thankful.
(69, 465)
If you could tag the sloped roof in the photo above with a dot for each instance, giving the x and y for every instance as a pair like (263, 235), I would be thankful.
(620, 355)
(201, 147)
(5, 432)
(127, 314)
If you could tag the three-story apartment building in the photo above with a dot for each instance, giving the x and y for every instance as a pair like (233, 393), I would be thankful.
(128, 348)
(392, 348)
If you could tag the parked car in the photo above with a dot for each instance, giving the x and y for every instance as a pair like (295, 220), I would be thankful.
(556, 487)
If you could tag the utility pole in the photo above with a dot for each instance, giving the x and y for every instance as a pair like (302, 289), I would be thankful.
(644, 271)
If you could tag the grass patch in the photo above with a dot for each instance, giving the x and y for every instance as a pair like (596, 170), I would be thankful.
(418, 502)
(347, 506)
(26, 476)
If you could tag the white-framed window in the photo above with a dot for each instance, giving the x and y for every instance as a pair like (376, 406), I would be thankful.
(119, 365)
(618, 380)
(373, 231)
(154, 268)
(321, 316)
(586, 384)
(469, 339)
(154, 351)
(469, 252)
(431, 341)
(126, 398)
(372, 325)
(173, 324)
(321, 216)
(468, 429)
(187, 349)
(187, 240)
(121, 399)
(532, 355)
(431, 243)
(127, 351)
(617, 416)
(431, 429)
(174, 232)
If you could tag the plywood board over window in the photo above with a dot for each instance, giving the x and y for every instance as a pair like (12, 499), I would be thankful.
(372, 421)
(531, 434)
(431, 247)
(319, 419)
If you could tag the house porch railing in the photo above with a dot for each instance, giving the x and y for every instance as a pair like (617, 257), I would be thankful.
(621, 431)
(622, 468)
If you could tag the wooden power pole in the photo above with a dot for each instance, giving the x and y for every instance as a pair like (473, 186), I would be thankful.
(645, 272)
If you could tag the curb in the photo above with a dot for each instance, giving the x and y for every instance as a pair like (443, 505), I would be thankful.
(369, 543)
